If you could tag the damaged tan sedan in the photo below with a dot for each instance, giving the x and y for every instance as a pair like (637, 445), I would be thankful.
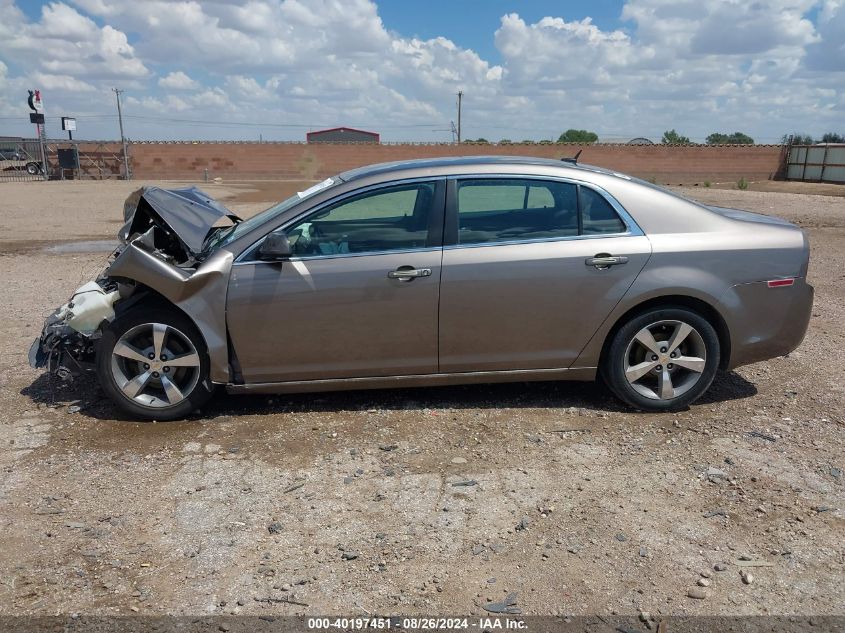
(434, 272)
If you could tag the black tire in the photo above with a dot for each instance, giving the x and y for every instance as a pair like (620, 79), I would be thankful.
(624, 348)
(113, 367)
(33, 169)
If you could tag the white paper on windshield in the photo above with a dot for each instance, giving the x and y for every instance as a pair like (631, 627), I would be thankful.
(318, 187)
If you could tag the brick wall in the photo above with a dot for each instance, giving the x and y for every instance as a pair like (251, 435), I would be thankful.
(665, 164)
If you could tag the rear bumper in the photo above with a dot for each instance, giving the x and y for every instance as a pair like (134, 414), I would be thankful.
(766, 322)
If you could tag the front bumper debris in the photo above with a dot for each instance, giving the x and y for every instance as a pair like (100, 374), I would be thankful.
(67, 344)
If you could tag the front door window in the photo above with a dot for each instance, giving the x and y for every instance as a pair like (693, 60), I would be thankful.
(390, 219)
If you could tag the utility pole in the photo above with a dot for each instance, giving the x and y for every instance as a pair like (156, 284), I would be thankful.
(460, 97)
(122, 138)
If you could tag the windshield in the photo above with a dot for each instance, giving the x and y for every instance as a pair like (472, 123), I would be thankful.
(229, 234)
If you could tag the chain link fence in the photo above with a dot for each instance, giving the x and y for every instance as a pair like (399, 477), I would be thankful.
(21, 160)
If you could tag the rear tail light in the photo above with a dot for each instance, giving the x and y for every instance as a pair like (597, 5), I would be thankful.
(777, 283)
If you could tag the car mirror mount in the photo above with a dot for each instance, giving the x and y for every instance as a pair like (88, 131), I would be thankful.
(275, 247)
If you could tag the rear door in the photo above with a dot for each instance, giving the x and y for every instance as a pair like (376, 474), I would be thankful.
(531, 268)
(358, 298)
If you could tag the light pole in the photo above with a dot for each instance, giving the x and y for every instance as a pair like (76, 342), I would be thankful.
(122, 138)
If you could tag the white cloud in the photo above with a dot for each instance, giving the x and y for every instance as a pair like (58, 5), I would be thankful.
(64, 42)
(257, 35)
(61, 83)
(829, 53)
(722, 27)
(557, 55)
(696, 66)
(178, 81)
(763, 66)
(62, 22)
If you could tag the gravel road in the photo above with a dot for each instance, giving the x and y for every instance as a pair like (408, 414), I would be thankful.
(415, 501)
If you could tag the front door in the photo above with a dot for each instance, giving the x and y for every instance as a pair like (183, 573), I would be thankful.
(533, 268)
(358, 298)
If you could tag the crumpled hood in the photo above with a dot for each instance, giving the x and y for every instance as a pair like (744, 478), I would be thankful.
(189, 213)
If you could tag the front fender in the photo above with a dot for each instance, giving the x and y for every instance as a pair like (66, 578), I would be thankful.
(200, 294)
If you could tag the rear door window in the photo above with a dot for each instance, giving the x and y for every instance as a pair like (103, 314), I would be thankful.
(499, 210)
(502, 210)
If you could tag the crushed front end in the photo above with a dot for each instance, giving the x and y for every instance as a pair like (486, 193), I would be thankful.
(67, 342)
(163, 242)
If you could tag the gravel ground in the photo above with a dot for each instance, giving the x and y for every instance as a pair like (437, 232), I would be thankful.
(415, 501)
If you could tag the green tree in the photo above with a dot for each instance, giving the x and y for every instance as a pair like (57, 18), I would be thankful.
(506, 141)
(737, 138)
(578, 136)
(671, 137)
(833, 137)
(797, 139)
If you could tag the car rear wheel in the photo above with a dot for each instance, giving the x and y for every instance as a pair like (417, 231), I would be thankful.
(662, 359)
(154, 364)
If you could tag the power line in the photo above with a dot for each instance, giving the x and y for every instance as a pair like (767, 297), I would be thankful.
(155, 119)
(540, 131)
(206, 122)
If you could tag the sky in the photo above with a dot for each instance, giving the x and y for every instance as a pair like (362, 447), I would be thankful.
(528, 69)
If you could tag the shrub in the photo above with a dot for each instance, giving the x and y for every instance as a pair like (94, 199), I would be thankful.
(671, 137)
(742, 184)
(833, 137)
(578, 136)
(737, 138)
(797, 139)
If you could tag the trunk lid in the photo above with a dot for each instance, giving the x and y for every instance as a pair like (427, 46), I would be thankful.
(748, 216)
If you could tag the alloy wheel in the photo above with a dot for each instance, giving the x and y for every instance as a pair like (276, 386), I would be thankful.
(155, 364)
(665, 359)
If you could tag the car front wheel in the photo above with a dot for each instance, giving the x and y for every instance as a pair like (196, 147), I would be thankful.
(662, 359)
(153, 364)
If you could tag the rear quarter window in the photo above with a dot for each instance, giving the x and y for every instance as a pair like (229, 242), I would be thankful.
(597, 215)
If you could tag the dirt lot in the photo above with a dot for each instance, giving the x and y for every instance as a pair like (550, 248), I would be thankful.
(415, 501)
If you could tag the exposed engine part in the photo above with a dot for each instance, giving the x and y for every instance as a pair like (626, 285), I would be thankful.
(63, 350)
(89, 306)
(67, 342)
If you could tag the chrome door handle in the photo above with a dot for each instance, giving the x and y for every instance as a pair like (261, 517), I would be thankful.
(408, 273)
(602, 261)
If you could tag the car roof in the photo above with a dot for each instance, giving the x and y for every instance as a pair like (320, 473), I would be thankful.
(461, 163)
